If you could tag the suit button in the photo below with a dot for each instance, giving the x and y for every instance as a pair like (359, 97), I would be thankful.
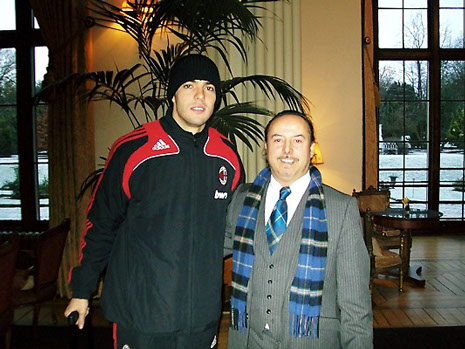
(271, 266)
(270, 282)
(268, 296)
(268, 311)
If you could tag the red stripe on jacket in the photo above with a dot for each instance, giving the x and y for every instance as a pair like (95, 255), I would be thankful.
(215, 147)
(137, 133)
(148, 151)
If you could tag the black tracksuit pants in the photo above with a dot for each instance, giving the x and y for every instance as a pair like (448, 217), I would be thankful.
(130, 339)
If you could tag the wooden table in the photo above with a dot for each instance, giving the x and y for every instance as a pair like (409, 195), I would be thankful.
(406, 222)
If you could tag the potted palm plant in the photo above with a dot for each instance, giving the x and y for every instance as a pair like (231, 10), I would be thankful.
(194, 26)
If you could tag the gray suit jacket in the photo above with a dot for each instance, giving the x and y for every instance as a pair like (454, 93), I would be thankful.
(346, 319)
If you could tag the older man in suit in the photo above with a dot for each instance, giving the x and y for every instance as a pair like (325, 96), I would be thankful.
(300, 267)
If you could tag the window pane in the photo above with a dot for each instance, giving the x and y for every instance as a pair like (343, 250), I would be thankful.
(397, 194)
(391, 79)
(390, 28)
(8, 131)
(390, 3)
(415, 29)
(416, 122)
(9, 188)
(8, 15)
(452, 193)
(417, 159)
(452, 123)
(416, 193)
(416, 178)
(391, 121)
(452, 139)
(451, 210)
(388, 179)
(418, 147)
(452, 80)
(451, 157)
(40, 65)
(415, 3)
(417, 206)
(451, 28)
(8, 76)
(42, 158)
(406, 120)
(450, 3)
(389, 160)
(451, 177)
(416, 80)
(403, 130)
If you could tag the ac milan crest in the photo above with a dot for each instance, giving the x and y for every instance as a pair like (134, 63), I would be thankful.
(223, 175)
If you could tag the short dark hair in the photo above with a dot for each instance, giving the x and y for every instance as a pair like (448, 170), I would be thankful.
(297, 113)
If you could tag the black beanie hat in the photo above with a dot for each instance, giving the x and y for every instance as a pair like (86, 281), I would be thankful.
(193, 67)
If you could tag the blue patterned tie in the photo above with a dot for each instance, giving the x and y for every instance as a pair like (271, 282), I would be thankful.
(277, 223)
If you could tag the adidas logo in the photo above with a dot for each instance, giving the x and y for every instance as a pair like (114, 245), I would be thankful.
(160, 145)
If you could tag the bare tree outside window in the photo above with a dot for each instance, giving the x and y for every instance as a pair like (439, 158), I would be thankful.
(406, 106)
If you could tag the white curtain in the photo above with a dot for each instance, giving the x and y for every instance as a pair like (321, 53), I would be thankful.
(277, 53)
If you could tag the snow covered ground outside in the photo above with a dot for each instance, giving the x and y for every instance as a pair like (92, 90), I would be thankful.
(7, 174)
(416, 173)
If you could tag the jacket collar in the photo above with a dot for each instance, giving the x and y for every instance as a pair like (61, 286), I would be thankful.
(172, 128)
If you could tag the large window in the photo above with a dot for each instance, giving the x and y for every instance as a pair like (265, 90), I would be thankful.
(420, 57)
(23, 123)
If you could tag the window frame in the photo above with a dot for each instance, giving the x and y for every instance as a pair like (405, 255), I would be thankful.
(24, 39)
(434, 55)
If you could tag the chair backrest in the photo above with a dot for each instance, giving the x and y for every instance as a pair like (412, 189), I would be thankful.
(227, 270)
(8, 256)
(49, 251)
(372, 199)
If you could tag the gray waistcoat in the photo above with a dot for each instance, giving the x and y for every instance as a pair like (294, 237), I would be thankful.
(272, 276)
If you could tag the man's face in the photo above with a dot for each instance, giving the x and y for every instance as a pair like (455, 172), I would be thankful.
(289, 148)
(193, 104)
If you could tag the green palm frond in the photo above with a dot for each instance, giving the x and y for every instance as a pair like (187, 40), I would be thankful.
(214, 24)
(270, 86)
(108, 86)
(232, 121)
(204, 16)
(162, 60)
(89, 183)
(140, 22)
(198, 23)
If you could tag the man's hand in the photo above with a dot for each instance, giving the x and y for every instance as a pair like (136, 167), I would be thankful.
(82, 307)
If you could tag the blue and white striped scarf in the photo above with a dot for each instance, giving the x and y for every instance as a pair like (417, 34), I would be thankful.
(307, 287)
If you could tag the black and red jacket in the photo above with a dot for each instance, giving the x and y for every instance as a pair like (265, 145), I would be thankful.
(157, 220)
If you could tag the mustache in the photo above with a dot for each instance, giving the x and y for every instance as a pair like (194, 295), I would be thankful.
(287, 157)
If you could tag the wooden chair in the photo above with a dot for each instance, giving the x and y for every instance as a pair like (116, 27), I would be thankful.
(382, 261)
(227, 276)
(375, 200)
(380, 242)
(47, 256)
(8, 256)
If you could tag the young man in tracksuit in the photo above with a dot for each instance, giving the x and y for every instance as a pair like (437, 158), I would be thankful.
(156, 221)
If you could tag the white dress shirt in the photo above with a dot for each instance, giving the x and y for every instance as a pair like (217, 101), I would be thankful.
(298, 189)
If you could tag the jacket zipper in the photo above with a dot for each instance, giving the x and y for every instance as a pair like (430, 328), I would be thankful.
(193, 158)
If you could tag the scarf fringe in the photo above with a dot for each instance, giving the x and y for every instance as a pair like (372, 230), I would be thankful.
(238, 320)
(304, 326)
